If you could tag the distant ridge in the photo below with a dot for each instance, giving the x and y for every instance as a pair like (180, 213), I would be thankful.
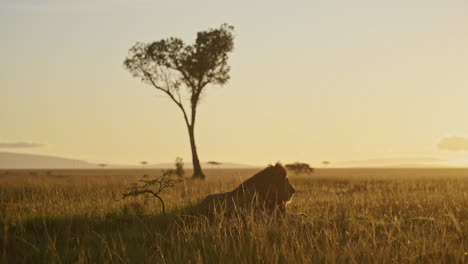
(416, 162)
(205, 165)
(10, 160)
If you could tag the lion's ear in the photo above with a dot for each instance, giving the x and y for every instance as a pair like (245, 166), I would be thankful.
(280, 169)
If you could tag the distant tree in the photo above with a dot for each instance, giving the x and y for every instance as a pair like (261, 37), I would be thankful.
(143, 163)
(214, 163)
(170, 64)
(299, 167)
(179, 164)
(102, 165)
(325, 163)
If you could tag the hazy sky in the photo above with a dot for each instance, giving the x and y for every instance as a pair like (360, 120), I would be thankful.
(310, 80)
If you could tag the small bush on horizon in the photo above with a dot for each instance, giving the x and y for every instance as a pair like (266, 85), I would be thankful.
(179, 164)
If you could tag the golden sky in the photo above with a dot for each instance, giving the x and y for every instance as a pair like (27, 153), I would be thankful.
(310, 80)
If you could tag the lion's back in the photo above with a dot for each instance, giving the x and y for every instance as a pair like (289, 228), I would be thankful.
(214, 200)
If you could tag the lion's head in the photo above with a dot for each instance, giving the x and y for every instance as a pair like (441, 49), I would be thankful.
(271, 186)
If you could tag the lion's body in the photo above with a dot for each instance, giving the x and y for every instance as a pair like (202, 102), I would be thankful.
(268, 190)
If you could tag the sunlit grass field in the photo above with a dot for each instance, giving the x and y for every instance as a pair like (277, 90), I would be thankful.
(354, 216)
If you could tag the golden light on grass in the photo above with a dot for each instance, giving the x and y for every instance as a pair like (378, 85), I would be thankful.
(354, 215)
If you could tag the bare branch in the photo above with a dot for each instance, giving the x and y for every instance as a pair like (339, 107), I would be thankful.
(177, 102)
(153, 187)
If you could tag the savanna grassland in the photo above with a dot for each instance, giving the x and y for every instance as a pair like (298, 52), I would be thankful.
(354, 216)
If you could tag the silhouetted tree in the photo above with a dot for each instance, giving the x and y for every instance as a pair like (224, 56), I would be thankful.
(143, 163)
(170, 64)
(300, 167)
(214, 163)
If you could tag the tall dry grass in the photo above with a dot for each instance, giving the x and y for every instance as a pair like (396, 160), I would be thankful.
(354, 216)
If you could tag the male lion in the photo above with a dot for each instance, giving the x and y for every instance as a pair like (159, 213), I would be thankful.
(267, 190)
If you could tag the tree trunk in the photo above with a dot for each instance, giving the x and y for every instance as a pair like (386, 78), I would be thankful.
(197, 170)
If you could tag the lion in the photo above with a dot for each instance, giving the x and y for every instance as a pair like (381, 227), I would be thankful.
(268, 190)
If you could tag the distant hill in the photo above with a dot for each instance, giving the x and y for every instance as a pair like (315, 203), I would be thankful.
(205, 165)
(10, 160)
(417, 162)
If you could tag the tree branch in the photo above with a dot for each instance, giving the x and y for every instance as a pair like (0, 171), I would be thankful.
(177, 102)
(184, 74)
(157, 184)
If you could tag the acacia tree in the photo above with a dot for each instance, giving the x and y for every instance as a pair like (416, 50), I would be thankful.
(183, 71)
